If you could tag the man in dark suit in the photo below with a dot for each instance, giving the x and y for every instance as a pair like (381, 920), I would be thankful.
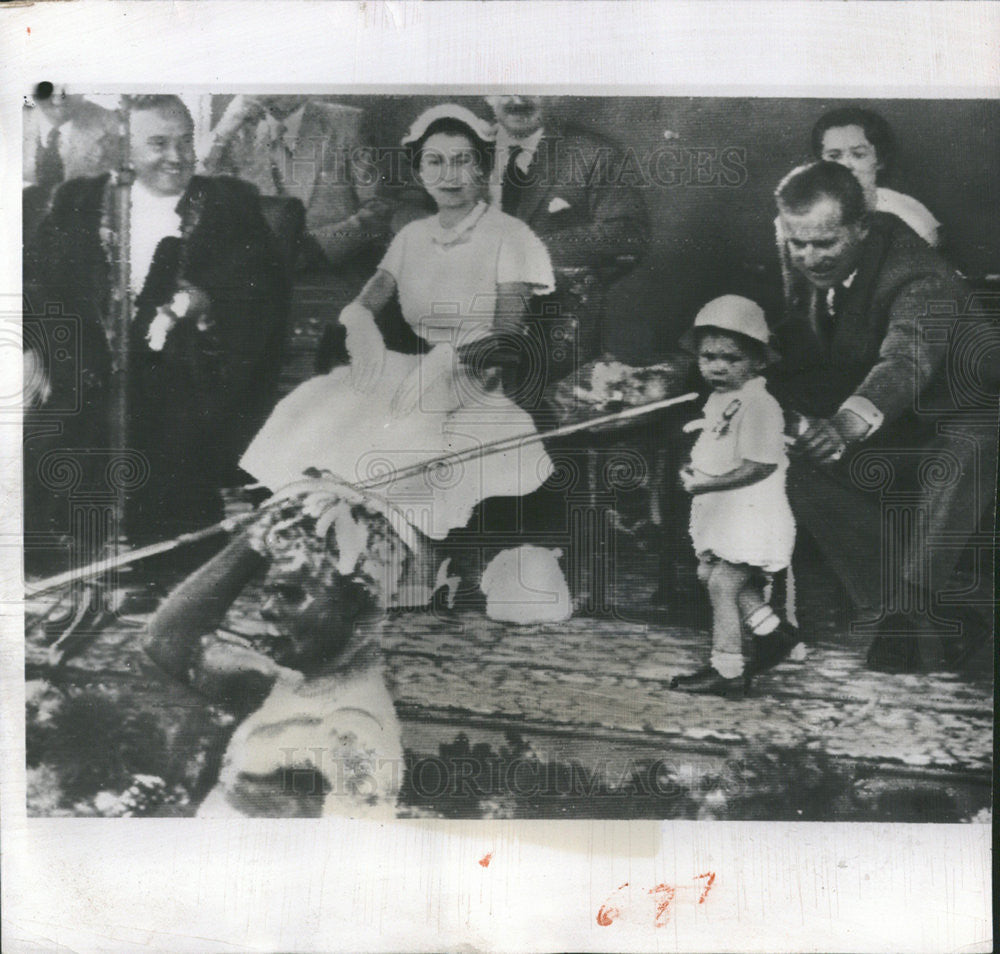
(563, 183)
(896, 456)
(210, 297)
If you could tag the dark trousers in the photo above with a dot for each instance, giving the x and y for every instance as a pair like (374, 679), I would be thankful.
(894, 522)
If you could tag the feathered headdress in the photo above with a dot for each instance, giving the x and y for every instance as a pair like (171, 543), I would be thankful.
(328, 528)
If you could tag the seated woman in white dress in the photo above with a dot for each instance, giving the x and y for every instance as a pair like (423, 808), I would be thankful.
(464, 278)
(862, 141)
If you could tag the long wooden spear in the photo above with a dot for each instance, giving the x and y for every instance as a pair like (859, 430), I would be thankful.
(233, 524)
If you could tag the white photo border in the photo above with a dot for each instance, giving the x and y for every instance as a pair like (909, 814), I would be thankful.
(95, 885)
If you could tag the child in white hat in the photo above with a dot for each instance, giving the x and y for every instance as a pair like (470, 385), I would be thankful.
(741, 523)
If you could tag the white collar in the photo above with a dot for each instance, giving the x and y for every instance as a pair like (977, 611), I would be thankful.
(460, 231)
(832, 291)
(45, 126)
(747, 389)
(153, 217)
(756, 383)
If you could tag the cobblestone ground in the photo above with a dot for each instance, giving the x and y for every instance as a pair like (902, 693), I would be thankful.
(580, 709)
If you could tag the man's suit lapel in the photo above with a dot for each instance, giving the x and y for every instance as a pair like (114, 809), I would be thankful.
(850, 329)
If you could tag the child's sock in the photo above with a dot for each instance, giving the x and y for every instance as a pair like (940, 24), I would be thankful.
(762, 621)
(728, 665)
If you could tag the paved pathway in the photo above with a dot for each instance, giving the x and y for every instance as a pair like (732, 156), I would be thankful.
(593, 693)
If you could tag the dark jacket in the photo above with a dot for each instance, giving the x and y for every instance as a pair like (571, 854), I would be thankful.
(883, 346)
(600, 220)
(595, 227)
(897, 340)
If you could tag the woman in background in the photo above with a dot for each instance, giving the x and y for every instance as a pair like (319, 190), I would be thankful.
(862, 141)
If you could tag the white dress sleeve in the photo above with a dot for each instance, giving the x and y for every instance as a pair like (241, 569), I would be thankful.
(760, 435)
(524, 258)
(912, 211)
(395, 255)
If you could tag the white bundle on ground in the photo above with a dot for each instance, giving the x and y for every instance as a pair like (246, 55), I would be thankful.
(526, 585)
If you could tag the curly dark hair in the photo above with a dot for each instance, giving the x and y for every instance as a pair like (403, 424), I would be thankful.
(876, 131)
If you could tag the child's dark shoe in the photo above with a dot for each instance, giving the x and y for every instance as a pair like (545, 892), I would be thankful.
(709, 682)
(773, 648)
(695, 676)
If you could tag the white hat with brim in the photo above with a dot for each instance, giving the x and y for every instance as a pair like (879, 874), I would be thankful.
(484, 130)
(732, 314)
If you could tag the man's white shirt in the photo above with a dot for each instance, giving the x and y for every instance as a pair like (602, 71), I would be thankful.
(153, 217)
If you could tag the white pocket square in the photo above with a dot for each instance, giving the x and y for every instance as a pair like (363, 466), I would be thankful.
(557, 205)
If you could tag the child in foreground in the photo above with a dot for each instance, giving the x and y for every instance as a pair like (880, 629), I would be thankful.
(741, 523)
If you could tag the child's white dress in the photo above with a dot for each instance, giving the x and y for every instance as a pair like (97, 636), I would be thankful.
(752, 524)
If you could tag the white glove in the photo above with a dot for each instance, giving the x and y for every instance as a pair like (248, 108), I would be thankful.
(365, 346)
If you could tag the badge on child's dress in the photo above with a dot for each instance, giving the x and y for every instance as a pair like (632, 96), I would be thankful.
(722, 427)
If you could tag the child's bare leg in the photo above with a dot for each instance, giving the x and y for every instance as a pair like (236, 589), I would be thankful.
(705, 567)
(772, 639)
(725, 584)
(757, 615)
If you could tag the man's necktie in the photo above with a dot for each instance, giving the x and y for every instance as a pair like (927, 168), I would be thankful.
(513, 183)
(49, 169)
(833, 303)
(280, 159)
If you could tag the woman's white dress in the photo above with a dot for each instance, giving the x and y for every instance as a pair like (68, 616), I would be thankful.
(447, 280)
